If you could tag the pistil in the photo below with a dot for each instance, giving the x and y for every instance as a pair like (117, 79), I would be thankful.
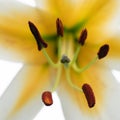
(67, 58)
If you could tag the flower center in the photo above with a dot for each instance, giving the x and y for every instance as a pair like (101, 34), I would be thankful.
(67, 57)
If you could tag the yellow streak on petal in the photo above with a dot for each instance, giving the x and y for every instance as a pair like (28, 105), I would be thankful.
(114, 48)
(36, 80)
(23, 50)
(15, 36)
(78, 9)
(14, 18)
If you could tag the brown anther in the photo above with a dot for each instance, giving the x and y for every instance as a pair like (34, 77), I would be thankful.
(40, 42)
(83, 37)
(59, 27)
(47, 98)
(89, 94)
(103, 51)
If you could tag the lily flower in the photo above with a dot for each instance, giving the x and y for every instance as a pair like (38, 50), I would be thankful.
(67, 46)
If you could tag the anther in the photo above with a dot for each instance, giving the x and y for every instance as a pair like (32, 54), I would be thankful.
(103, 51)
(47, 98)
(59, 27)
(65, 59)
(40, 42)
(89, 94)
(83, 37)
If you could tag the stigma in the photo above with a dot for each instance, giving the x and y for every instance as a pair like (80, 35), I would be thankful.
(65, 59)
(65, 50)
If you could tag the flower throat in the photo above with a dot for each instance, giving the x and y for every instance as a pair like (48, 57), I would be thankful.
(67, 57)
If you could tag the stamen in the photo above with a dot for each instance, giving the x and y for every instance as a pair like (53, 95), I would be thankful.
(57, 78)
(92, 62)
(59, 27)
(65, 59)
(89, 94)
(40, 42)
(83, 37)
(75, 55)
(67, 70)
(59, 48)
(63, 47)
(49, 59)
(103, 51)
(47, 98)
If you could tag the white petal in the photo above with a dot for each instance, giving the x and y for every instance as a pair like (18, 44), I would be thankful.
(22, 99)
(110, 107)
(113, 64)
